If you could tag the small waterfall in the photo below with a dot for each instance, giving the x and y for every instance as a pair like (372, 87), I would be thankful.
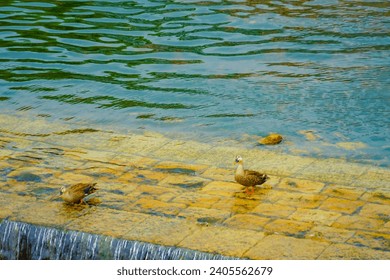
(22, 241)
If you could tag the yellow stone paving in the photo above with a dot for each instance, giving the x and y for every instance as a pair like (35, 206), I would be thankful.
(381, 196)
(52, 214)
(355, 222)
(372, 240)
(247, 221)
(100, 221)
(300, 185)
(341, 205)
(223, 240)
(182, 193)
(315, 215)
(352, 252)
(273, 210)
(325, 233)
(289, 227)
(340, 191)
(205, 214)
(285, 247)
(161, 230)
(376, 211)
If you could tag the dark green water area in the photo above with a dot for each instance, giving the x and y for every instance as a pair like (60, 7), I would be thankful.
(316, 72)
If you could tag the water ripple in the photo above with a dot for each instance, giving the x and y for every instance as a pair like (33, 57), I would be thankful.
(264, 66)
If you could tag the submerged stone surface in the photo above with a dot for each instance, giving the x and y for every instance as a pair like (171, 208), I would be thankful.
(182, 195)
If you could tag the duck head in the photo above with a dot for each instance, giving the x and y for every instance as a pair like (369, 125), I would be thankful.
(62, 190)
(238, 159)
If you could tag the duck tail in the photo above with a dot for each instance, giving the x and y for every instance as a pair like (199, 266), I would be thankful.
(91, 188)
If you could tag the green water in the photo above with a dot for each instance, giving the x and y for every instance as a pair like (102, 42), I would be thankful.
(206, 70)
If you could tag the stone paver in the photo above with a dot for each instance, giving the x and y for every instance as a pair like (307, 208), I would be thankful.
(357, 222)
(161, 230)
(223, 240)
(277, 247)
(341, 205)
(294, 199)
(376, 211)
(373, 240)
(273, 210)
(340, 191)
(316, 216)
(107, 222)
(301, 185)
(289, 227)
(381, 196)
(205, 214)
(325, 233)
(247, 221)
(351, 252)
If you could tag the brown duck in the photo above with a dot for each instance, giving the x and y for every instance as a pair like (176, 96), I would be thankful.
(77, 193)
(248, 178)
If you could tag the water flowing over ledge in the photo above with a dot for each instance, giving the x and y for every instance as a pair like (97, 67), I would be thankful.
(22, 241)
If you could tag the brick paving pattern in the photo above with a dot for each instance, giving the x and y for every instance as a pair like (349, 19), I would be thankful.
(182, 193)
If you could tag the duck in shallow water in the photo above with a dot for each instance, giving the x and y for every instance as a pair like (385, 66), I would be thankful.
(77, 193)
(248, 178)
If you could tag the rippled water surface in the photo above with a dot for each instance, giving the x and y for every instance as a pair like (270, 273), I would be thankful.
(315, 71)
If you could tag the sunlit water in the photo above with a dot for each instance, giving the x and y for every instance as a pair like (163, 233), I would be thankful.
(316, 72)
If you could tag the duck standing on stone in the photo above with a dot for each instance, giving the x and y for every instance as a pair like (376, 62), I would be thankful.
(248, 178)
(77, 193)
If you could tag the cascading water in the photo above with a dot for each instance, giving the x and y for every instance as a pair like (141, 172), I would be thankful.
(25, 241)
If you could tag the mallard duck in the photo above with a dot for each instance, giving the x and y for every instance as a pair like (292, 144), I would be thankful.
(77, 193)
(248, 178)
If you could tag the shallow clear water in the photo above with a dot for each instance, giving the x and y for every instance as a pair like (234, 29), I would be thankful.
(316, 72)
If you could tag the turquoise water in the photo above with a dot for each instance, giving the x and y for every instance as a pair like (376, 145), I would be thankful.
(316, 72)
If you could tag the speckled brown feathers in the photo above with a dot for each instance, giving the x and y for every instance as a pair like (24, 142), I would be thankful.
(250, 178)
(77, 193)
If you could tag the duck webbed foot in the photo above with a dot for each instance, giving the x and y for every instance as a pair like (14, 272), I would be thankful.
(250, 190)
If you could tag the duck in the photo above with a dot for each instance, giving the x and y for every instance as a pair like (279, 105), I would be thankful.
(78, 192)
(248, 178)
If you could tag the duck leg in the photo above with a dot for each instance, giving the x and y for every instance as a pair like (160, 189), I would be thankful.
(84, 201)
(250, 190)
(86, 198)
